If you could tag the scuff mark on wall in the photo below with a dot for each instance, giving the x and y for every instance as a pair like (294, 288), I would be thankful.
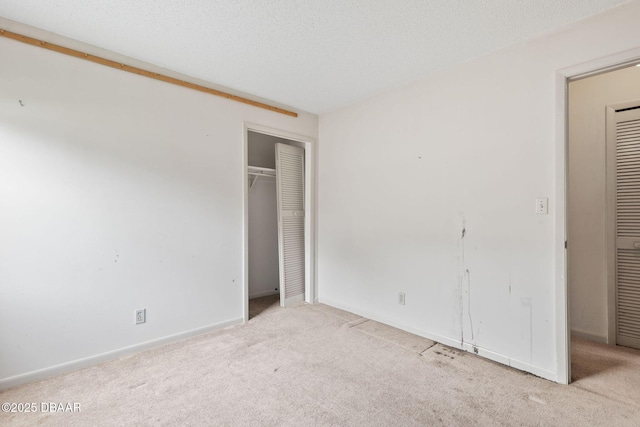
(463, 276)
(461, 303)
(464, 286)
(468, 274)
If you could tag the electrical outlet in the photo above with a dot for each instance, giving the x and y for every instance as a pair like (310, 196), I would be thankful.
(542, 206)
(141, 316)
(401, 298)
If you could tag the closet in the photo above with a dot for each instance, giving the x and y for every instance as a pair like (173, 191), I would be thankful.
(276, 218)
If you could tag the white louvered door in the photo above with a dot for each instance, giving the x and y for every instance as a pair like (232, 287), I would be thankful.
(628, 227)
(291, 219)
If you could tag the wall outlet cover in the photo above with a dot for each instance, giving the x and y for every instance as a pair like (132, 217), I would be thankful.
(542, 205)
(141, 316)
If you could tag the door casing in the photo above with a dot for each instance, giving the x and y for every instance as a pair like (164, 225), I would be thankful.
(309, 145)
(563, 76)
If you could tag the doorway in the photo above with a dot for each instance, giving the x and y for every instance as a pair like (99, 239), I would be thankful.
(590, 216)
(268, 243)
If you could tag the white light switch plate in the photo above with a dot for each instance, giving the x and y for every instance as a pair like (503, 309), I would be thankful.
(542, 205)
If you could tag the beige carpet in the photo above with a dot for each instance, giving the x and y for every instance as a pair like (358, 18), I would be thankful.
(315, 365)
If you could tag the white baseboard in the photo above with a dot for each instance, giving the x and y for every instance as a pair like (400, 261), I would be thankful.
(74, 365)
(262, 294)
(589, 336)
(451, 342)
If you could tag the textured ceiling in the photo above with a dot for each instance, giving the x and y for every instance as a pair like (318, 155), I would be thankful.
(315, 55)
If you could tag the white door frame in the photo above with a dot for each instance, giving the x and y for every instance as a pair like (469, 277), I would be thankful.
(309, 143)
(596, 66)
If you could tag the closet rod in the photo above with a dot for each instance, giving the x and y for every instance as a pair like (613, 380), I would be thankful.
(257, 172)
(263, 174)
(139, 71)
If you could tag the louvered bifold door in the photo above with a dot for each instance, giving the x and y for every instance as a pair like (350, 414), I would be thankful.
(628, 227)
(291, 219)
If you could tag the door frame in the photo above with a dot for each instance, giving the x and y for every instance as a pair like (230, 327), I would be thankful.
(310, 147)
(562, 78)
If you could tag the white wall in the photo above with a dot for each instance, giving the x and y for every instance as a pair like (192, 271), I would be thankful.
(261, 150)
(402, 174)
(586, 195)
(264, 268)
(116, 193)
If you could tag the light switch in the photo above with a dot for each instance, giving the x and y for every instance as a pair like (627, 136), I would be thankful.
(542, 205)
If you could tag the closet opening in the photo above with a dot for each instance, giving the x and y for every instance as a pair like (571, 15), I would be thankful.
(278, 217)
(589, 209)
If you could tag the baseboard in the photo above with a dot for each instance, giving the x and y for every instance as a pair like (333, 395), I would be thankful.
(74, 365)
(589, 336)
(451, 342)
(262, 294)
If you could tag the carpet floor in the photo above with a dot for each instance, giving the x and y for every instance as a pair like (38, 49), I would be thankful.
(315, 365)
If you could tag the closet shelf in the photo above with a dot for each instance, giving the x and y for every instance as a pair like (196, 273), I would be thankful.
(257, 172)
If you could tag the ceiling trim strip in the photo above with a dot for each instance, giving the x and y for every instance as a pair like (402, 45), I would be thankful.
(139, 71)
